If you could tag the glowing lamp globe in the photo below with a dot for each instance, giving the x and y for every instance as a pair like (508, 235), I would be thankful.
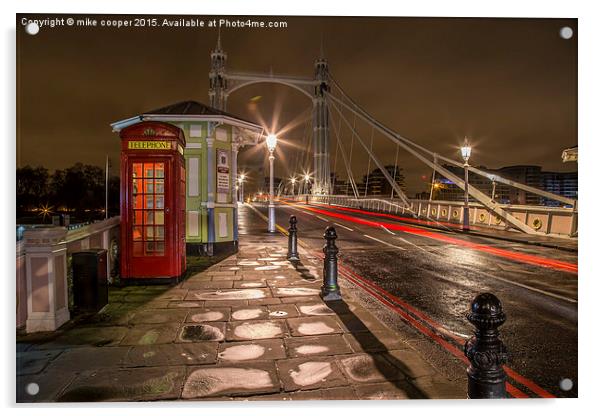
(271, 141)
(465, 150)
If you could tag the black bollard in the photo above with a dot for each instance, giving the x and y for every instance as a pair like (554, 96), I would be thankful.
(330, 286)
(486, 352)
(292, 254)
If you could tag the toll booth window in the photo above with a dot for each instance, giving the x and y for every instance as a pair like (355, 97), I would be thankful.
(148, 204)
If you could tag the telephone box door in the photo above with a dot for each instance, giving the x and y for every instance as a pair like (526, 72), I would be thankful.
(150, 216)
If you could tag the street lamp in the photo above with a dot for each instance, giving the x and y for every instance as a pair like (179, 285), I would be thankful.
(306, 177)
(241, 182)
(293, 180)
(271, 142)
(465, 152)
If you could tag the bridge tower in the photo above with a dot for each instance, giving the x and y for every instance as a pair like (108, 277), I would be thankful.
(218, 81)
(222, 83)
(320, 128)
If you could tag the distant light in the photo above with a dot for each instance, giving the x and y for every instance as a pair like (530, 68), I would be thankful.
(293, 180)
(306, 177)
(566, 32)
(271, 142)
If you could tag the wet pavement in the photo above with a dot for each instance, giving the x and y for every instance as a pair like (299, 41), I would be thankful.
(251, 327)
(436, 280)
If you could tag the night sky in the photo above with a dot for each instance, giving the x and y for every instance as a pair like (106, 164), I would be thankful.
(510, 85)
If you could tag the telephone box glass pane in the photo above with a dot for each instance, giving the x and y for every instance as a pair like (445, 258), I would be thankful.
(160, 249)
(159, 202)
(148, 170)
(159, 170)
(149, 217)
(160, 233)
(159, 186)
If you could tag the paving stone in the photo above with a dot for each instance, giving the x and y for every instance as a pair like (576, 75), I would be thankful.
(157, 304)
(282, 311)
(313, 325)
(301, 299)
(439, 387)
(33, 362)
(86, 336)
(295, 291)
(49, 385)
(307, 374)
(77, 360)
(226, 277)
(410, 362)
(265, 301)
(228, 294)
(386, 391)
(234, 380)
(374, 341)
(225, 303)
(171, 354)
(173, 294)
(158, 316)
(278, 397)
(200, 315)
(249, 313)
(251, 330)
(186, 304)
(314, 309)
(265, 349)
(112, 314)
(366, 368)
(151, 334)
(250, 284)
(319, 345)
(138, 298)
(224, 284)
(135, 384)
(210, 331)
(198, 277)
(219, 272)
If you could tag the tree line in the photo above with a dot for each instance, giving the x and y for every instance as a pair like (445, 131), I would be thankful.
(78, 190)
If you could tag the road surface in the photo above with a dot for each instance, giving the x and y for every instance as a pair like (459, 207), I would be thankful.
(431, 276)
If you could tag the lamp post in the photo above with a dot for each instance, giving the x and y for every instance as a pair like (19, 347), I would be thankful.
(293, 180)
(306, 177)
(271, 142)
(241, 183)
(465, 152)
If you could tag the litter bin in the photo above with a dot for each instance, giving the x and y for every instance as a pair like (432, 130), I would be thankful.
(90, 286)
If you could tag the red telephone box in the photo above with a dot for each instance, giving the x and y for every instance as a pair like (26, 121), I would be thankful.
(153, 202)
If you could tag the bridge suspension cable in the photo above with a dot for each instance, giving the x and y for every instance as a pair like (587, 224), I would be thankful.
(368, 171)
(394, 136)
(415, 149)
(397, 189)
(346, 162)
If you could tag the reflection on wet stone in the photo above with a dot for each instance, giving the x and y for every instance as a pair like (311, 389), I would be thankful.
(311, 373)
(317, 309)
(242, 352)
(201, 333)
(210, 381)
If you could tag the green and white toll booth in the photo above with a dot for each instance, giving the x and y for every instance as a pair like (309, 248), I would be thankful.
(213, 139)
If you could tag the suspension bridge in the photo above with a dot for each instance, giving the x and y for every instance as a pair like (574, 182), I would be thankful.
(341, 126)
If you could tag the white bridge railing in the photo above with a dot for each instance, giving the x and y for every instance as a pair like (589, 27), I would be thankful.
(552, 221)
